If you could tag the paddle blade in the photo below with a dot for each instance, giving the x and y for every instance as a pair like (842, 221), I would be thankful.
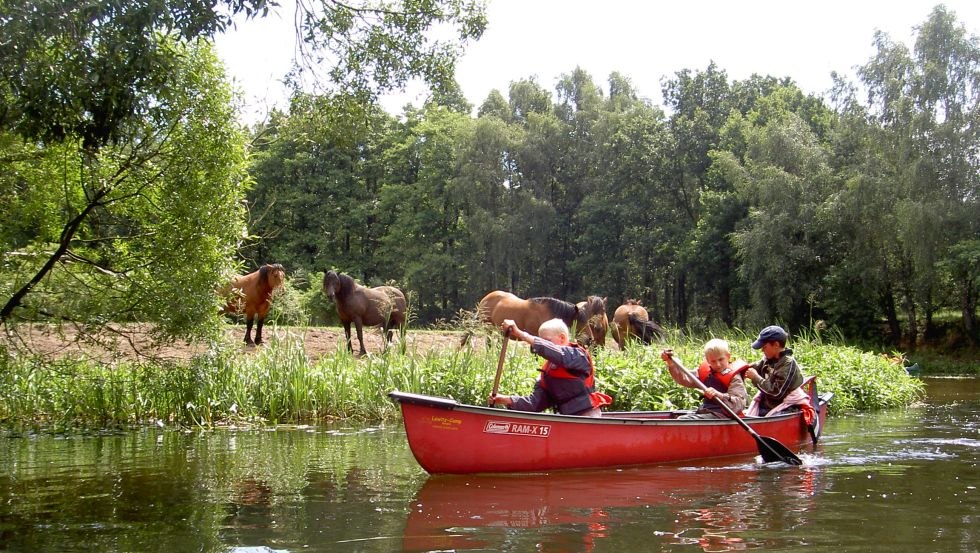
(771, 451)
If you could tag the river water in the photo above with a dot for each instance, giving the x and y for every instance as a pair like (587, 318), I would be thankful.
(903, 480)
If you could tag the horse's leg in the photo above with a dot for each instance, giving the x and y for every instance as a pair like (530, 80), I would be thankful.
(360, 335)
(388, 329)
(248, 331)
(350, 348)
(258, 330)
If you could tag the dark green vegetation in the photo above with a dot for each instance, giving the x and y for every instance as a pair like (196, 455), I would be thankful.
(280, 384)
(738, 203)
(123, 168)
(128, 192)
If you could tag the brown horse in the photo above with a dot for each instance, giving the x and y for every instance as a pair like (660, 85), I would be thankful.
(383, 306)
(630, 319)
(252, 294)
(589, 316)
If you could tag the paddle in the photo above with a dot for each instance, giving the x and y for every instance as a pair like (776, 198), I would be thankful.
(770, 448)
(500, 367)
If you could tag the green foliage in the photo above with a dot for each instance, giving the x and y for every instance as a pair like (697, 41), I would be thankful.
(137, 231)
(278, 383)
(86, 71)
(380, 46)
(300, 302)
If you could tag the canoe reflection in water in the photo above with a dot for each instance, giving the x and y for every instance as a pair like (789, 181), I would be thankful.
(715, 507)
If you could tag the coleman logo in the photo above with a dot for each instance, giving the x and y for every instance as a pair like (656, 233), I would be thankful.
(502, 427)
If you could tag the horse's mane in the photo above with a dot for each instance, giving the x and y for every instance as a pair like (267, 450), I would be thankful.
(647, 330)
(631, 301)
(561, 309)
(594, 305)
(347, 284)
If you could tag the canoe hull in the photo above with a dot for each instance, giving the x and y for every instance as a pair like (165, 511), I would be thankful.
(447, 437)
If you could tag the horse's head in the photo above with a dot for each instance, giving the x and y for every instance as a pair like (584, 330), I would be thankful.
(273, 274)
(592, 315)
(331, 284)
(337, 285)
(595, 308)
(646, 331)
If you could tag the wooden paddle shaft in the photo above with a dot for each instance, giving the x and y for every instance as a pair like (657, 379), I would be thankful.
(703, 388)
(500, 365)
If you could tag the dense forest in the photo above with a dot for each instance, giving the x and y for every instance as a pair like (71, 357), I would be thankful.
(735, 203)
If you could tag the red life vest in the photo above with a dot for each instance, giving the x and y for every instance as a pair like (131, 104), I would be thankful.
(551, 370)
(736, 367)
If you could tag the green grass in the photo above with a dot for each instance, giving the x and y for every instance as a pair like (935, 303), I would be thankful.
(279, 384)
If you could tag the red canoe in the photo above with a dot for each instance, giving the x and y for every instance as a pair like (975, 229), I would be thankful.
(448, 437)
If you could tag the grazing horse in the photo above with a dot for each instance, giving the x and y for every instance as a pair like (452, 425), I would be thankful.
(632, 319)
(589, 316)
(252, 293)
(646, 331)
(383, 306)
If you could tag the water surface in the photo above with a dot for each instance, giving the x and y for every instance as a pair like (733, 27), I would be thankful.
(902, 480)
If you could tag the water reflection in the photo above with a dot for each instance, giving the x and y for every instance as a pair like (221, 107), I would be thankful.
(709, 506)
(901, 480)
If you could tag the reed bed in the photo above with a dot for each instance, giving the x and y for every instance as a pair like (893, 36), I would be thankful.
(279, 383)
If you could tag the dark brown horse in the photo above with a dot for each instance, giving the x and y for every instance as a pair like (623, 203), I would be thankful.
(646, 331)
(252, 294)
(588, 317)
(383, 306)
(632, 319)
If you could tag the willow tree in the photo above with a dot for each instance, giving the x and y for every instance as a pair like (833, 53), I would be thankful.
(120, 138)
(918, 172)
(139, 228)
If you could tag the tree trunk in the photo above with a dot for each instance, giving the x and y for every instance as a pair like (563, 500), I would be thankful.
(968, 307)
(725, 305)
(891, 314)
(680, 298)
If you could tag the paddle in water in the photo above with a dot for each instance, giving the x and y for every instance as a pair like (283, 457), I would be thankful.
(770, 448)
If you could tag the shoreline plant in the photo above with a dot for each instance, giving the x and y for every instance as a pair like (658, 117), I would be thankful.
(280, 384)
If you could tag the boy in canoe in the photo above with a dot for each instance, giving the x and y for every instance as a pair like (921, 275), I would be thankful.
(567, 381)
(778, 376)
(722, 378)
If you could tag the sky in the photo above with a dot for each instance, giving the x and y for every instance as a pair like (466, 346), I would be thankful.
(647, 41)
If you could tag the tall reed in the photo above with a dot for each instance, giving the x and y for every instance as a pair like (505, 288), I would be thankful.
(279, 383)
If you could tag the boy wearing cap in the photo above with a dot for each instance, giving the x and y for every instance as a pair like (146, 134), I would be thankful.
(777, 375)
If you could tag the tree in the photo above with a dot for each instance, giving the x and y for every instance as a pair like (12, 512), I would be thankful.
(785, 243)
(490, 216)
(422, 211)
(76, 69)
(920, 168)
(700, 105)
(370, 46)
(963, 264)
(318, 171)
(113, 80)
(624, 222)
(139, 230)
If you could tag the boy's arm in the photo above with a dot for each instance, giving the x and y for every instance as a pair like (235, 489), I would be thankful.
(777, 381)
(736, 396)
(571, 358)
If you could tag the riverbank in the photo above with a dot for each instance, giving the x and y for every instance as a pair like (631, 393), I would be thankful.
(283, 382)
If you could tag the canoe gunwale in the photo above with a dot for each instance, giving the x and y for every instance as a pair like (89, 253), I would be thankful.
(641, 418)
